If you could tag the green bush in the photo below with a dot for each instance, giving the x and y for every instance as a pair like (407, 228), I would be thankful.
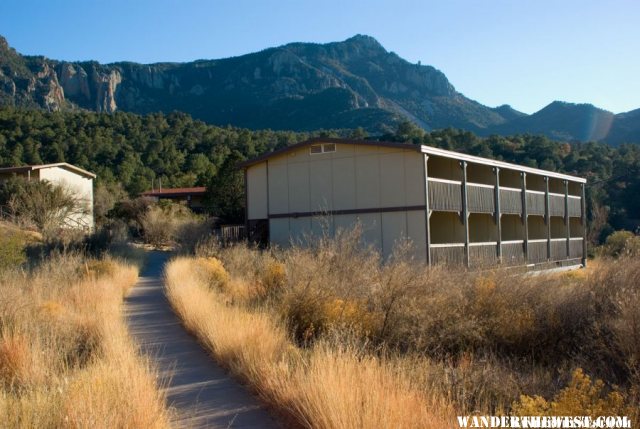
(622, 243)
(12, 250)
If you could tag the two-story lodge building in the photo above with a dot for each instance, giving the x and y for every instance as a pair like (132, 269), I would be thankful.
(455, 208)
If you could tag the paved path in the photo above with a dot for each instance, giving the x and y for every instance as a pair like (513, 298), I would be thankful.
(201, 392)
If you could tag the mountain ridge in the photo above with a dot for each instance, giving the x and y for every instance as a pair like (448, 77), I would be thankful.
(299, 86)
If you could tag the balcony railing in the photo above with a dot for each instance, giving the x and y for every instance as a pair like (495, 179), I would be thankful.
(558, 249)
(537, 251)
(575, 247)
(535, 203)
(510, 200)
(556, 204)
(481, 198)
(483, 254)
(447, 254)
(513, 252)
(445, 195)
(575, 208)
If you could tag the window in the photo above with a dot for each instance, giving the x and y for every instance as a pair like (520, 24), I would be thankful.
(322, 148)
(316, 148)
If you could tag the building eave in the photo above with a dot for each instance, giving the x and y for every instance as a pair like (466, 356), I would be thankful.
(429, 150)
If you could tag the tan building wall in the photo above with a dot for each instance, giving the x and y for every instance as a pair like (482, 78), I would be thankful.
(366, 179)
(81, 186)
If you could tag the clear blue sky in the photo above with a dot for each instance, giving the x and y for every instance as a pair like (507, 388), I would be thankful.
(526, 53)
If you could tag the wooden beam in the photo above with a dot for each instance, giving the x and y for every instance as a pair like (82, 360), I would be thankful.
(465, 213)
(583, 204)
(426, 209)
(523, 182)
(498, 213)
(567, 222)
(547, 216)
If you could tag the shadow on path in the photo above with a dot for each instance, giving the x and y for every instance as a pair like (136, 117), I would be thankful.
(201, 392)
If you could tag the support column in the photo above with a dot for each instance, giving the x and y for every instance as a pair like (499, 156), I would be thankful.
(566, 217)
(547, 216)
(523, 183)
(427, 213)
(583, 218)
(465, 213)
(498, 212)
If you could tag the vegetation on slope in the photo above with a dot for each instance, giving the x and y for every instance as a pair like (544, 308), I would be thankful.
(456, 342)
(132, 152)
(66, 359)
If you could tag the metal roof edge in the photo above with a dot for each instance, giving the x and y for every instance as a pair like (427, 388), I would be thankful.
(430, 150)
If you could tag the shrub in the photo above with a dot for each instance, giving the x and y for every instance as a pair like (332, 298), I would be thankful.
(161, 223)
(622, 243)
(12, 250)
(213, 272)
(582, 397)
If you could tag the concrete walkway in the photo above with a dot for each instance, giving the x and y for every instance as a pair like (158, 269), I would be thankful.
(201, 392)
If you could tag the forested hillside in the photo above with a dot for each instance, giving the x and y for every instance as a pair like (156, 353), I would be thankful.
(135, 150)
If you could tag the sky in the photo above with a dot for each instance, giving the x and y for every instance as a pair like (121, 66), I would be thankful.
(525, 53)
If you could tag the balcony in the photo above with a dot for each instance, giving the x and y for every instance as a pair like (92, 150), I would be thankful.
(537, 251)
(445, 195)
(510, 200)
(575, 208)
(483, 254)
(556, 204)
(513, 252)
(447, 254)
(558, 249)
(535, 202)
(575, 247)
(480, 198)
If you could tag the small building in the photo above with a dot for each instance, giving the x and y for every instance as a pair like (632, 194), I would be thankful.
(70, 177)
(455, 208)
(190, 197)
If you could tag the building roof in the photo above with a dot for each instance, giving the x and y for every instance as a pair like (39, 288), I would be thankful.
(418, 148)
(64, 165)
(176, 192)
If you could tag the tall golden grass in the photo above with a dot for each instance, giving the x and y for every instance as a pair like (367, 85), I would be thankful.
(66, 359)
(456, 341)
(321, 387)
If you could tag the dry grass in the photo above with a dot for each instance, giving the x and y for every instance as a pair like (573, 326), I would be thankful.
(321, 387)
(467, 340)
(66, 359)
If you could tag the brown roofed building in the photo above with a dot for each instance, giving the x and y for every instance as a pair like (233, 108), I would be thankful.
(191, 197)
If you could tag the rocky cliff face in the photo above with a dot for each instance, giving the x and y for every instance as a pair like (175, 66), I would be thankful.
(299, 86)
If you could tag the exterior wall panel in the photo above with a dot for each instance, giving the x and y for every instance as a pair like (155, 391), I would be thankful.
(367, 181)
(278, 188)
(257, 191)
(80, 186)
(394, 230)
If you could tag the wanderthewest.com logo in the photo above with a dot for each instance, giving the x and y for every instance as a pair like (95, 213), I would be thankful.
(543, 422)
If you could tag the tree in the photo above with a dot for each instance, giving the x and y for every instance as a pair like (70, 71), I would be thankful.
(225, 191)
(41, 204)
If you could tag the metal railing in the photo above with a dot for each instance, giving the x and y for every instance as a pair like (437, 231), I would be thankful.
(556, 204)
(575, 247)
(483, 254)
(231, 233)
(535, 202)
(558, 249)
(513, 252)
(481, 198)
(445, 195)
(510, 200)
(575, 208)
(537, 251)
(447, 254)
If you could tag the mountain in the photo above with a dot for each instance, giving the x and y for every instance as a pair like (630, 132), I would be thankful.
(561, 121)
(299, 86)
